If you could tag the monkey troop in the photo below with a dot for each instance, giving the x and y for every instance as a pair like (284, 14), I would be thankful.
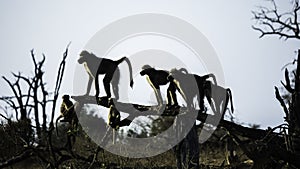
(95, 66)
(188, 85)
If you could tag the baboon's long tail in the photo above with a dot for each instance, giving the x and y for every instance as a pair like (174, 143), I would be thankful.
(130, 68)
(212, 76)
(183, 70)
(230, 97)
(59, 117)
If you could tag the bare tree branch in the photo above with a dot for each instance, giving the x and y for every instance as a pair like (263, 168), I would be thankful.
(56, 93)
(29, 83)
(4, 117)
(279, 98)
(17, 96)
(59, 78)
(270, 22)
(287, 86)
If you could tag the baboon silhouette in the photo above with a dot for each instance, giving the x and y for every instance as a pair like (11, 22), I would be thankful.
(157, 78)
(95, 66)
(191, 85)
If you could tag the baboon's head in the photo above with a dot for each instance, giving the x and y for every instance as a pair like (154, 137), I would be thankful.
(65, 97)
(170, 78)
(144, 69)
(173, 73)
(83, 56)
(178, 73)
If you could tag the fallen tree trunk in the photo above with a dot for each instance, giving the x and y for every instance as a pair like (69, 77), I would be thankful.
(135, 110)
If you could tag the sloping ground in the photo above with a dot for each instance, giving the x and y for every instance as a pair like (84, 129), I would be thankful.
(212, 156)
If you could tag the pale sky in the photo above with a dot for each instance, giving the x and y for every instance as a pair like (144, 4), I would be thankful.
(252, 66)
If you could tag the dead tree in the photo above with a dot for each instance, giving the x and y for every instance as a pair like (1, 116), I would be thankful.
(187, 152)
(285, 25)
(292, 110)
(30, 93)
(24, 102)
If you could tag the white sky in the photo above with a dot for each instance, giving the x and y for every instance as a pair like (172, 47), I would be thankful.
(252, 66)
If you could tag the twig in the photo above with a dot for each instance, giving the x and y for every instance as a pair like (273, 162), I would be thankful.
(279, 98)
(5, 117)
(287, 86)
(95, 156)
